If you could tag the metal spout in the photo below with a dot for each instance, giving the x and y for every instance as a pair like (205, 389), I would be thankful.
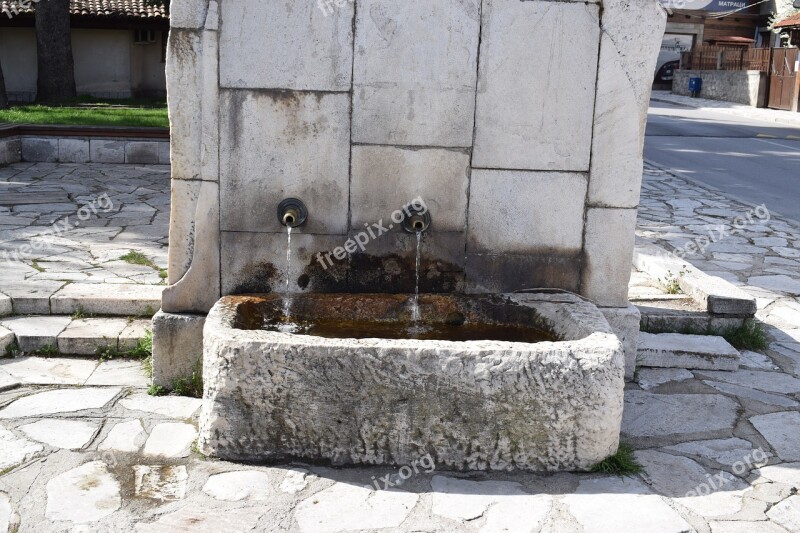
(292, 212)
(417, 220)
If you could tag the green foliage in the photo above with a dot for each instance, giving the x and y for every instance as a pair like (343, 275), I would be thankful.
(49, 350)
(191, 386)
(97, 114)
(622, 463)
(671, 282)
(11, 349)
(138, 258)
(143, 350)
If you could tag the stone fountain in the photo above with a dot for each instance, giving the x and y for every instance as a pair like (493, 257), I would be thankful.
(518, 124)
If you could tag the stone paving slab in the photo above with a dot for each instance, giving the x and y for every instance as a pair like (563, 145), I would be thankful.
(72, 223)
(36, 332)
(676, 350)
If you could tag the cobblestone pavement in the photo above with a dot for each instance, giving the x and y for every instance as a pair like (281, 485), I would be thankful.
(68, 223)
(771, 115)
(84, 448)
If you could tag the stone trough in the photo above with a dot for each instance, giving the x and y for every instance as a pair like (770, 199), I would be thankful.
(471, 405)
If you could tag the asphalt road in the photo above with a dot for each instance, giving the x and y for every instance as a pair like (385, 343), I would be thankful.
(750, 160)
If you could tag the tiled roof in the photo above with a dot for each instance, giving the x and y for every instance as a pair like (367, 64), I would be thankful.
(139, 9)
(794, 20)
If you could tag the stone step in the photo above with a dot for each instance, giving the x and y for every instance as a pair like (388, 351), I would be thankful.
(63, 335)
(658, 317)
(57, 298)
(675, 350)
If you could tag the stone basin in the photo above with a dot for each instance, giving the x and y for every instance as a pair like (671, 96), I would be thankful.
(472, 405)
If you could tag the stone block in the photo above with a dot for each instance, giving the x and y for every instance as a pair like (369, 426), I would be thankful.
(10, 151)
(607, 254)
(387, 178)
(87, 336)
(506, 272)
(198, 288)
(182, 220)
(39, 150)
(163, 153)
(321, 399)
(105, 151)
(177, 346)
(36, 332)
(107, 299)
(192, 72)
(31, 297)
(624, 322)
(73, 150)
(7, 338)
(535, 107)
(187, 13)
(427, 97)
(281, 145)
(256, 263)
(132, 332)
(5, 305)
(310, 49)
(675, 350)
(518, 212)
(627, 61)
(142, 152)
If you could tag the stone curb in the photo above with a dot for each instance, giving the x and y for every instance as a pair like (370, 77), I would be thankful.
(83, 336)
(741, 111)
(720, 296)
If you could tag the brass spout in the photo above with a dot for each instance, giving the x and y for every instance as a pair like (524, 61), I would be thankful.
(417, 220)
(292, 212)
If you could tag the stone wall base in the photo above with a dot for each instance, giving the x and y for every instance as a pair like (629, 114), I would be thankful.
(177, 346)
(624, 322)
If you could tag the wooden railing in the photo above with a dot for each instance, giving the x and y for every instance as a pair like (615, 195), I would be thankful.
(711, 57)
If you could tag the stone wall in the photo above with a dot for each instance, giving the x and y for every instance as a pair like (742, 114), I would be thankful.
(47, 149)
(524, 141)
(748, 87)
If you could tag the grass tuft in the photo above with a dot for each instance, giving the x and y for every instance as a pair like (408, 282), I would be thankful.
(138, 258)
(95, 114)
(749, 336)
(191, 386)
(143, 350)
(11, 349)
(49, 350)
(622, 463)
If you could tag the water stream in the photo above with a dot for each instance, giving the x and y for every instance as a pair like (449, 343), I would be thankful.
(415, 307)
(288, 326)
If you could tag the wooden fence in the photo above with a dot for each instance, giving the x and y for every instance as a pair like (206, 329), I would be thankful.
(711, 57)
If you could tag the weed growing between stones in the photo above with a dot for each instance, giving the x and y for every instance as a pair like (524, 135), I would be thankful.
(48, 351)
(748, 336)
(191, 386)
(671, 282)
(143, 350)
(622, 463)
(11, 350)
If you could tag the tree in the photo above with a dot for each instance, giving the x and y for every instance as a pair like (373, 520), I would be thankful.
(54, 52)
(3, 95)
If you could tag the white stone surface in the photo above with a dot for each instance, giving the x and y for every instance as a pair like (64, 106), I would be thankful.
(5, 512)
(787, 514)
(624, 322)
(546, 209)
(627, 59)
(102, 299)
(84, 494)
(5, 305)
(49, 371)
(119, 372)
(524, 117)
(159, 482)
(198, 517)
(788, 473)
(682, 478)
(766, 381)
(177, 346)
(311, 49)
(724, 451)
(345, 507)
(7, 381)
(676, 350)
(85, 336)
(608, 249)
(124, 437)
(68, 434)
(300, 140)
(656, 415)
(650, 378)
(170, 440)
(721, 526)
(73, 150)
(59, 401)
(168, 406)
(780, 283)
(504, 504)
(780, 430)
(756, 361)
(294, 481)
(36, 332)
(439, 177)
(240, 485)
(187, 13)
(752, 394)
(615, 504)
(15, 450)
(427, 97)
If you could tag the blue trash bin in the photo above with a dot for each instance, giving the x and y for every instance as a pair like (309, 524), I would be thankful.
(695, 84)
